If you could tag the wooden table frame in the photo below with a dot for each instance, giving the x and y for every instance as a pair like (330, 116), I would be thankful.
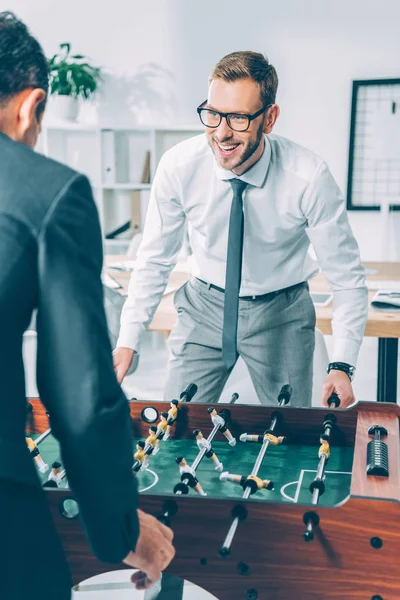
(385, 325)
(354, 554)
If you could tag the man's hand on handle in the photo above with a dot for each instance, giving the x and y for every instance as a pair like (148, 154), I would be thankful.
(123, 358)
(338, 382)
(154, 551)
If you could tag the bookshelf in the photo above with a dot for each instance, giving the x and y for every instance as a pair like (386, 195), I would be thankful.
(120, 163)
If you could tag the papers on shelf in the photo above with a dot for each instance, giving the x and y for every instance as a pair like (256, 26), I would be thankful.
(124, 265)
(168, 290)
(381, 284)
(386, 300)
(110, 281)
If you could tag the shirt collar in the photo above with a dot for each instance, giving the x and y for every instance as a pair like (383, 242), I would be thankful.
(255, 175)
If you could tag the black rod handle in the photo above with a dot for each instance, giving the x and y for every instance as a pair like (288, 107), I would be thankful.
(188, 393)
(377, 452)
(285, 394)
(334, 400)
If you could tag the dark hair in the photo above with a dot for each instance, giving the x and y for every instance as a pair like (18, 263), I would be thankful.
(179, 459)
(153, 428)
(196, 432)
(50, 484)
(141, 444)
(175, 402)
(165, 415)
(249, 65)
(23, 64)
(56, 465)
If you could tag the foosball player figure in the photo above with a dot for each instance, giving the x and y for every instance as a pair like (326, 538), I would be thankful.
(172, 415)
(152, 438)
(324, 449)
(273, 439)
(34, 450)
(218, 420)
(161, 429)
(139, 456)
(251, 481)
(189, 474)
(203, 443)
(55, 473)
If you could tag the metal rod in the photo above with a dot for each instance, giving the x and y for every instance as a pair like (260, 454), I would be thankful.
(246, 494)
(202, 452)
(42, 437)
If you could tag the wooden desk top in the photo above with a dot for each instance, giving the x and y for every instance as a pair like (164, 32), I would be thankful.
(384, 324)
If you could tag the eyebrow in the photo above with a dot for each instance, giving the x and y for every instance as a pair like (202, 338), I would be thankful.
(235, 112)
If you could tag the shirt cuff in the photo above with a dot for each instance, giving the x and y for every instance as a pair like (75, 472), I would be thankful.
(129, 337)
(345, 350)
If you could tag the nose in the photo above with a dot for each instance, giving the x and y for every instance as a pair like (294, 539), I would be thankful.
(223, 130)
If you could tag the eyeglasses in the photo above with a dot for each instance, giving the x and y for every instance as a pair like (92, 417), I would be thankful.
(236, 121)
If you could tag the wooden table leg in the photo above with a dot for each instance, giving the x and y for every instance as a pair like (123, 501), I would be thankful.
(387, 369)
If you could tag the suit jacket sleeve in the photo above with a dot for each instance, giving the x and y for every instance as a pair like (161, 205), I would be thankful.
(89, 413)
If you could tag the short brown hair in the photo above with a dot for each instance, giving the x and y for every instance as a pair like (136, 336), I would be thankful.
(249, 65)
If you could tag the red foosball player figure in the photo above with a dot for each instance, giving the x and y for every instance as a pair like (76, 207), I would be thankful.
(172, 416)
(55, 473)
(34, 450)
(274, 441)
(193, 482)
(203, 443)
(139, 456)
(217, 420)
(251, 481)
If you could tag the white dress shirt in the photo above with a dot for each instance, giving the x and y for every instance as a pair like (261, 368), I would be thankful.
(291, 200)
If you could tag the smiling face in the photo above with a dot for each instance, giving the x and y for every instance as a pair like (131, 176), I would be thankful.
(238, 151)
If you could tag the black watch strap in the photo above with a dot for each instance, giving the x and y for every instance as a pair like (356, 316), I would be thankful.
(341, 366)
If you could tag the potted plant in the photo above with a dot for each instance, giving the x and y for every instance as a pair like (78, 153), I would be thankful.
(71, 77)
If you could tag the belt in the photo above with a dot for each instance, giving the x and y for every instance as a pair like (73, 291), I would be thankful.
(259, 297)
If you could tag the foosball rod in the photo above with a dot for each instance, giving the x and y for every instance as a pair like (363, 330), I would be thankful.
(333, 400)
(283, 398)
(42, 437)
(317, 486)
(185, 396)
(199, 457)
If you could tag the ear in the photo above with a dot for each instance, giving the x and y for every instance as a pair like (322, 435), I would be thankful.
(271, 117)
(27, 121)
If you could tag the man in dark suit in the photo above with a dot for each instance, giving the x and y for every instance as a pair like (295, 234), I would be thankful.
(50, 260)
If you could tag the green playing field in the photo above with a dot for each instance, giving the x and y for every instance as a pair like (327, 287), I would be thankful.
(291, 468)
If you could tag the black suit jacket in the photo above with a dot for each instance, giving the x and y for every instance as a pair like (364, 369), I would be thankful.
(51, 259)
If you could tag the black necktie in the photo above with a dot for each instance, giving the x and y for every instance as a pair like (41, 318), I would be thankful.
(233, 274)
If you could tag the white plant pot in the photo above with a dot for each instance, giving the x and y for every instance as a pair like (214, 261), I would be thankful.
(64, 108)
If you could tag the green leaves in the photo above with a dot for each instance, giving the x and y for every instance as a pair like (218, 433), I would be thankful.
(72, 75)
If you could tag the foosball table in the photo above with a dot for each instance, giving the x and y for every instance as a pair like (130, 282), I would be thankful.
(265, 502)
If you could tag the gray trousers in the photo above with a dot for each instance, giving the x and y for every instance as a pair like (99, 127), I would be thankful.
(276, 339)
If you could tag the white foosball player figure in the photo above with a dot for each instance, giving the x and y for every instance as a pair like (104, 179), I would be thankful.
(55, 473)
(193, 482)
(203, 443)
(218, 420)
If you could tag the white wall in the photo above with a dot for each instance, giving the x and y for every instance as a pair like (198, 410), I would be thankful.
(159, 54)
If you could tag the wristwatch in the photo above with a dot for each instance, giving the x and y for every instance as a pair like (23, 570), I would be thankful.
(340, 366)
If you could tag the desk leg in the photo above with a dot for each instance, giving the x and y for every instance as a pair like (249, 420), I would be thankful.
(387, 369)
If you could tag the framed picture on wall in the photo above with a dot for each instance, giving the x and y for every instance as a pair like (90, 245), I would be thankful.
(374, 150)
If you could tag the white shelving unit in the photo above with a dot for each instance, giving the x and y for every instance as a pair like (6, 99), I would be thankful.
(120, 163)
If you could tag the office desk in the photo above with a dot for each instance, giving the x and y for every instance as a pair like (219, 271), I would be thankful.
(384, 325)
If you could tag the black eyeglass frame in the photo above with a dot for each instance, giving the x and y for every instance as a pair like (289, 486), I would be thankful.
(250, 118)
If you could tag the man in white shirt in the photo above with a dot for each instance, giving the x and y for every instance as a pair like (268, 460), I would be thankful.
(253, 202)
